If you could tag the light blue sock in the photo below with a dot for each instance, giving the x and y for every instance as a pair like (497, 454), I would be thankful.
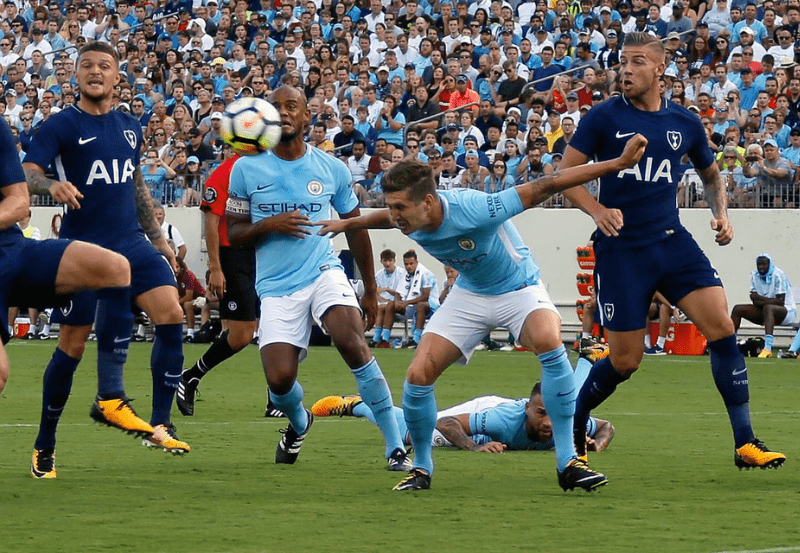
(768, 338)
(377, 336)
(361, 410)
(419, 410)
(417, 335)
(795, 347)
(387, 334)
(558, 393)
(582, 369)
(376, 395)
(291, 403)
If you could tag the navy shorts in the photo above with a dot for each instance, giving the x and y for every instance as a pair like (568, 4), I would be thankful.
(240, 302)
(149, 270)
(28, 270)
(627, 276)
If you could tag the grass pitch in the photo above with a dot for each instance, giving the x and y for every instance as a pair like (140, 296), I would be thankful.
(673, 486)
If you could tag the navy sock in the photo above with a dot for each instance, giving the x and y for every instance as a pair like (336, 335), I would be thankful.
(599, 385)
(113, 321)
(219, 351)
(730, 376)
(166, 364)
(57, 385)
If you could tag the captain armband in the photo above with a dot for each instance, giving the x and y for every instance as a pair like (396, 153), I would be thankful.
(238, 206)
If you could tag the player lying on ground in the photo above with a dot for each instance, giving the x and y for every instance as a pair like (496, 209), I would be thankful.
(505, 424)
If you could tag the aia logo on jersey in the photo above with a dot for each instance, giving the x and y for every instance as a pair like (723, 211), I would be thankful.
(675, 139)
(608, 311)
(314, 187)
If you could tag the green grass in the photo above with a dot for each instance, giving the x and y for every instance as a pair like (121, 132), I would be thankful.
(673, 486)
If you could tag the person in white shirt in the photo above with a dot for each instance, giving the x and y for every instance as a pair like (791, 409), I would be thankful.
(358, 163)
(390, 280)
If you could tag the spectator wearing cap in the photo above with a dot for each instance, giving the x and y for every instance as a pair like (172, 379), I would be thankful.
(463, 96)
(213, 137)
(774, 176)
(196, 147)
(626, 17)
(474, 176)
(470, 142)
(573, 109)
(747, 40)
(608, 55)
(717, 17)
(792, 151)
(38, 42)
(678, 22)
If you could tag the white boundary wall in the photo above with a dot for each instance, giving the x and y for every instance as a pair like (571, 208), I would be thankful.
(553, 235)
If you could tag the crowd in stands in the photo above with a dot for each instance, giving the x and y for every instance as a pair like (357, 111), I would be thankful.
(489, 92)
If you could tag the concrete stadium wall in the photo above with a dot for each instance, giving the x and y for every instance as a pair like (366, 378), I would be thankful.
(553, 235)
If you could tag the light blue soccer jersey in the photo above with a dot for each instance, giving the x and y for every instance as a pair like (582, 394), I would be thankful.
(394, 281)
(477, 238)
(316, 185)
(505, 423)
(773, 284)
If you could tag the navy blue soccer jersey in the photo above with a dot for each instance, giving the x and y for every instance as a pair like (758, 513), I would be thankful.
(646, 192)
(10, 170)
(98, 154)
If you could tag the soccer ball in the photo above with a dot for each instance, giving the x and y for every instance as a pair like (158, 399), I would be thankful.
(251, 126)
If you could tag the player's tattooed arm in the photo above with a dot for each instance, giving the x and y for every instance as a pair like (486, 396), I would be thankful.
(455, 430)
(64, 192)
(144, 208)
(715, 191)
(147, 219)
(602, 437)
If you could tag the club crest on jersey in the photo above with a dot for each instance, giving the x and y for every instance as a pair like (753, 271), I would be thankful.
(466, 244)
(209, 195)
(314, 187)
(67, 309)
(130, 136)
(608, 310)
(232, 306)
(675, 139)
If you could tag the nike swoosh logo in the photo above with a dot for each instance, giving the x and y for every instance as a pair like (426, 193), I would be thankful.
(118, 340)
(716, 274)
(624, 134)
(168, 375)
(740, 371)
(565, 393)
(83, 141)
(55, 410)
(263, 186)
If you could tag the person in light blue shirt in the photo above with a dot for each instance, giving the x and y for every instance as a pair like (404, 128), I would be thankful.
(771, 301)
(491, 424)
(273, 198)
(498, 286)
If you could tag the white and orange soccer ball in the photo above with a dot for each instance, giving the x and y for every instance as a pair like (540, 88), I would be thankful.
(251, 126)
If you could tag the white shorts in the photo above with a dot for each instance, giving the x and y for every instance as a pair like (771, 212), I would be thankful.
(790, 318)
(288, 319)
(475, 405)
(465, 317)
